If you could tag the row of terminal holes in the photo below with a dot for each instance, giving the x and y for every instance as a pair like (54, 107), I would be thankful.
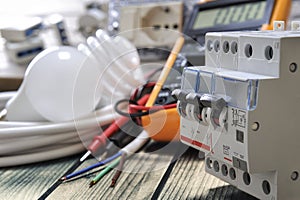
(233, 47)
(266, 187)
(157, 27)
(268, 51)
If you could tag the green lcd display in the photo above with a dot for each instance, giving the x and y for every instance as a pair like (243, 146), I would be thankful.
(230, 15)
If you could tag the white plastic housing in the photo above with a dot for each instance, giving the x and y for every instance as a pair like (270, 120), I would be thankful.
(253, 143)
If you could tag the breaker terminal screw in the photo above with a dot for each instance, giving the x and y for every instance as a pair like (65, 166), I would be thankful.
(293, 67)
(255, 126)
(294, 175)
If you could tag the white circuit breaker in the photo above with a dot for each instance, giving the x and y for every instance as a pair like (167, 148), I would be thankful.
(242, 109)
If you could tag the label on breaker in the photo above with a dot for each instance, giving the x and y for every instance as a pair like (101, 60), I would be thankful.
(234, 142)
(226, 150)
(239, 118)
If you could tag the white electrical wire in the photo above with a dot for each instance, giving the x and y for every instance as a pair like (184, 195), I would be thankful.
(38, 141)
(136, 144)
(23, 143)
(41, 155)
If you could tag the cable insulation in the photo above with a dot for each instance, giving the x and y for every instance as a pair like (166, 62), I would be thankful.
(101, 163)
(104, 172)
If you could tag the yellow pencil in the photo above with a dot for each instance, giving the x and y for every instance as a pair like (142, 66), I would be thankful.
(165, 72)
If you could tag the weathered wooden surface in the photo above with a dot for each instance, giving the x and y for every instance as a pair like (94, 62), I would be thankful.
(30, 181)
(142, 175)
(190, 181)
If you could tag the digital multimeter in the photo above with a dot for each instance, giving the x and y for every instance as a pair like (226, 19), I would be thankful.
(220, 15)
(229, 15)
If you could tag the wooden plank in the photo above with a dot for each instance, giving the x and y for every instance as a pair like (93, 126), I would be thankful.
(190, 181)
(136, 181)
(142, 174)
(31, 181)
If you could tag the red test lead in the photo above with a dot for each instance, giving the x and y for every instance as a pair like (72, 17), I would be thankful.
(100, 140)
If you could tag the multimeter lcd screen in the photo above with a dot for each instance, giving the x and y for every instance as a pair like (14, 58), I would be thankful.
(230, 15)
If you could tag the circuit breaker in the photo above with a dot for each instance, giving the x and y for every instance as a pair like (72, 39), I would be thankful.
(242, 110)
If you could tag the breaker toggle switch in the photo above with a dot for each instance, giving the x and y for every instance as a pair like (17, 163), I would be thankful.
(217, 105)
(194, 99)
(180, 95)
(214, 102)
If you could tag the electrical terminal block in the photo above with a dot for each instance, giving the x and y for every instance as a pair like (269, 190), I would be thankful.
(56, 23)
(235, 108)
(21, 31)
(93, 18)
(149, 24)
(296, 26)
(24, 52)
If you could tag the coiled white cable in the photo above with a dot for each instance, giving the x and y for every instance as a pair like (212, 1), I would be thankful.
(71, 74)
(28, 142)
(40, 155)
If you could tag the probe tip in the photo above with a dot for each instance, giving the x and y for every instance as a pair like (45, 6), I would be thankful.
(63, 178)
(87, 154)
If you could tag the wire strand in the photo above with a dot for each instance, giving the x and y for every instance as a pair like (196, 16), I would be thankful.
(107, 160)
(119, 170)
(129, 149)
(136, 144)
(104, 172)
(126, 114)
(138, 107)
